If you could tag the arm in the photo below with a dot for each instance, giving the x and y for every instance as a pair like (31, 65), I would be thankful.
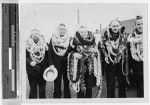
(103, 47)
(45, 62)
(28, 59)
(72, 45)
(74, 41)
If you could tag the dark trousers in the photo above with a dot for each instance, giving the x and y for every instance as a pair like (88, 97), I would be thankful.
(88, 85)
(37, 86)
(88, 93)
(113, 71)
(138, 72)
(57, 84)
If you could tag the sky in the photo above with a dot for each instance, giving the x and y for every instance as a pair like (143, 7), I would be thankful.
(46, 17)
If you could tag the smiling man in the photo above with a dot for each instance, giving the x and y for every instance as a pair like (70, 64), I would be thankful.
(87, 69)
(114, 56)
(59, 48)
(36, 63)
(136, 48)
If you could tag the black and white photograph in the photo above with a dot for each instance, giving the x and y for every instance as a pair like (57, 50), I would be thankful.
(75, 52)
(83, 50)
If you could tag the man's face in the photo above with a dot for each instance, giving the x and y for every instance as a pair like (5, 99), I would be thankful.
(84, 33)
(115, 26)
(139, 25)
(62, 31)
(35, 39)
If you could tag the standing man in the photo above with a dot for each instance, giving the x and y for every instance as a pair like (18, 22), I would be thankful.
(136, 48)
(59, 47)
(87, 72)
(36, 63)
(114, 56)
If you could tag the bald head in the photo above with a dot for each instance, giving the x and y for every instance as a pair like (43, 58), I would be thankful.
(83, 31)
(115, 26)
(62, 29)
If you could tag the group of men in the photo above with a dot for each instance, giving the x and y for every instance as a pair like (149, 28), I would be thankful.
(79, 60)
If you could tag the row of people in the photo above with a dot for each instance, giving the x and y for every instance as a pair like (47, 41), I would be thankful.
(79, 61)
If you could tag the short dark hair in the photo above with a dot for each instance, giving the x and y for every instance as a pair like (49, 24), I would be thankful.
(61, 24)
(138, 17)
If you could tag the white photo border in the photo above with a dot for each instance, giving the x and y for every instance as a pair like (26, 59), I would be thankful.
(92, 100)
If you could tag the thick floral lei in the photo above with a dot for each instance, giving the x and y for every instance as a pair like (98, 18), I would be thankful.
(36, 50)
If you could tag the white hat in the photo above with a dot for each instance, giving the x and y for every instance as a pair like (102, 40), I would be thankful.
(50, 73)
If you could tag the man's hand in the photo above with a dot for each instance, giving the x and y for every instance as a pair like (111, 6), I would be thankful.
(51, 66)
(109, 48)
(106, 59)
(32, 63)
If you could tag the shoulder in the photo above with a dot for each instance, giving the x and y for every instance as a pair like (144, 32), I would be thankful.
(106, 32)
(122, 29)
(105, 35)
(72, 42)
(50, 41)
(76, 38)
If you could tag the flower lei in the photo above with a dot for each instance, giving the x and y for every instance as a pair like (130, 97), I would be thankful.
(92, 55)
(121, 47)
(117, 46)
(137, 48)
(60, 42)
(73, 72)
(36, 50)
